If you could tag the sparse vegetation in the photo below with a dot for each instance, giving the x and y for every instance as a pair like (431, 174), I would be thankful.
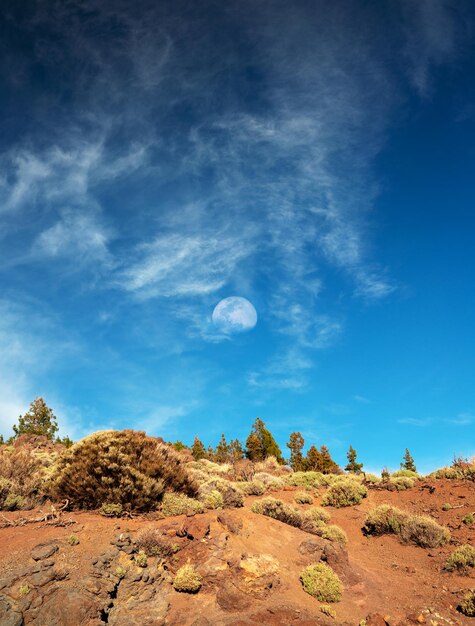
(124, 467)
(321, 582)
(24, 590)
(271, 507)
(418, 529)
(141, 559)
(120, 572)
(344, 492)
(469, 519)
(462, 558)
(446, 506)
(326, 609)
(303, 497)
(187, 579)
(153, 543)
(73, 540)
(467, 606)
(111, 509)
(180, 504)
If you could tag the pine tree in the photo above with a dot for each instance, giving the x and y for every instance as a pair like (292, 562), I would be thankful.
(260, 444)
(210, 453)
(295, 445)
(39, 420)
(254, 451)
(313, 461)
(352, 465)
(198, 450)
(408, 462)
(328, 464)
(221, 454)
(235, 450)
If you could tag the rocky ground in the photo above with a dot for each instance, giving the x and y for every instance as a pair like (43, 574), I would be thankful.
(249, 564)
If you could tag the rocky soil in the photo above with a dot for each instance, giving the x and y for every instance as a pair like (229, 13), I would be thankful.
(249, 565)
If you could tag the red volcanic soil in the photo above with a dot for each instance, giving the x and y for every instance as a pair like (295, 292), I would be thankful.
(249, 564)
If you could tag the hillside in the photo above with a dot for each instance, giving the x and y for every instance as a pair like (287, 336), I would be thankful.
(80, 568)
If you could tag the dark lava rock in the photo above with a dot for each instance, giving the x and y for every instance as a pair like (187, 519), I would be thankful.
(43, 551)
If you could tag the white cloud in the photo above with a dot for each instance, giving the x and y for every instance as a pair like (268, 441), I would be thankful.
(184, 265)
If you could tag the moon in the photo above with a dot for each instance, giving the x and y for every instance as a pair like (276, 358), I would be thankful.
(234, 315)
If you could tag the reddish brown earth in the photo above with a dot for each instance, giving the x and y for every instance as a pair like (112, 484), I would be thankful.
(77, 586)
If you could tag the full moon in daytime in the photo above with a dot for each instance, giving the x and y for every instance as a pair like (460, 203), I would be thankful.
(234, 315)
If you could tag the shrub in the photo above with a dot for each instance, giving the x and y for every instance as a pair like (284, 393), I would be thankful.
(21, 477)
(326, 609)
(344, 492)
(232, 496)
(424, 532)
(120, 572)
(334, 533)
(14, 502)
(402, 483)
(153, 543)
(141, 559)
(111, 510)
(278, 510)
(24, 590)
(468, 519)
(467, 606)
(213, 500)
(187, 579)
(273, 483)
(251, 488)
(383, 520)
(446, 506)
(321, 582)
(302, 497)
(418, 529)
(73, 540)
(125, 467)
(461, 558)
(244, 470)
(372, 479)
(179, 504)
(305, 479)
(317, 514)
(405, 473)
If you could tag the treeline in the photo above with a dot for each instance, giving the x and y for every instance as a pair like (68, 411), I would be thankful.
(260, 444)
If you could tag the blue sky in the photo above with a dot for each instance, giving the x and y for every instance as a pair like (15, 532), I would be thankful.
(315, 158)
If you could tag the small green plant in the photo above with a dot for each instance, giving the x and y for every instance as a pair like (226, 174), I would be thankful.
(446, 506)
(120, 572)
(111, 509)
(302, 497)
(326, 609)
(334, 533)
(317, 514)
(214, 500)
(73, 540)
(271, 507)
(187, 579)
(461, 559)
(468, 519)
(321, 582)
(467, 606)
(179, 504)
(344, 492)
(24, 590)
(418, 529)
(141, 559)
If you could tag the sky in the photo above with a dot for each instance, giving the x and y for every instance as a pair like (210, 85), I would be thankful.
(312, 157)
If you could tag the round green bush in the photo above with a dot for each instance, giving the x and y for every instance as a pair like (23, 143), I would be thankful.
(321, 582)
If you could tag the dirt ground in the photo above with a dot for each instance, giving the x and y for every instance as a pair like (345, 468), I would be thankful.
(250, 567)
